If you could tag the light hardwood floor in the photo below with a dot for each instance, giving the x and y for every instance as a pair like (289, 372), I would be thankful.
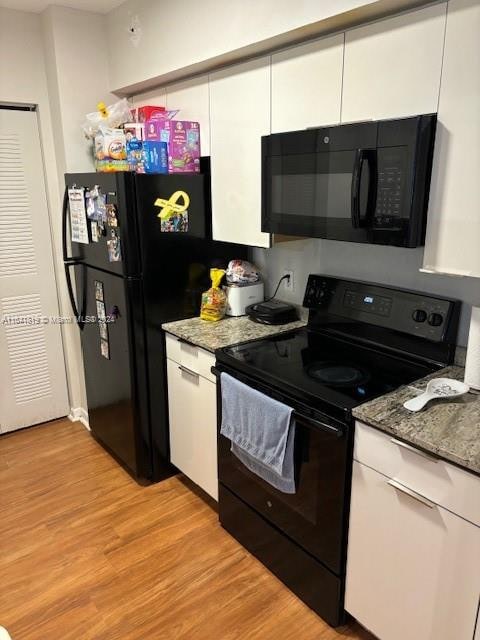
(87, 554)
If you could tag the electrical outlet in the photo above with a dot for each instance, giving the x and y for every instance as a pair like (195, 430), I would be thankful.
(289, 284)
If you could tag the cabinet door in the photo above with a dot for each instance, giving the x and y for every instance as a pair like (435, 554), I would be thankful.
(307, 85)
(453, 230)
(192, 404)
(191, 97)
(392, 67)
(412, 568)
(239, 117)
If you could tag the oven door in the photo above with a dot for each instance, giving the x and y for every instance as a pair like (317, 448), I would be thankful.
(315, 516)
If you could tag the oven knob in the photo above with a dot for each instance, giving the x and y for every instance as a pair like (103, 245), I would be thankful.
(435, 319)
(419, 315)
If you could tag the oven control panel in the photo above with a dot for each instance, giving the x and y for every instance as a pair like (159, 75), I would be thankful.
(410, 312)
(368, 302)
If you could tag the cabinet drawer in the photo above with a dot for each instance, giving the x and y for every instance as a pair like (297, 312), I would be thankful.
(443, 483)
(190, 356)
(192, 409)
(412, 568)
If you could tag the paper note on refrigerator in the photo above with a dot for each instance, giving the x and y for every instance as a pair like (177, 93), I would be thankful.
(78, 215)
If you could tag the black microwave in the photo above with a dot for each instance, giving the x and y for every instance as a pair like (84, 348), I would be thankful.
(361, 182)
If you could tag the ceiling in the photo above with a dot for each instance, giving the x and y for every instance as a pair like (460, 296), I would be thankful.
(98, 6)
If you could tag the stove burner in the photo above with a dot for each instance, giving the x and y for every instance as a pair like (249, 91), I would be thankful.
(338, 375)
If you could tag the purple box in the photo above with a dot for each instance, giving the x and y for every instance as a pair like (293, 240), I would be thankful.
(183, 139)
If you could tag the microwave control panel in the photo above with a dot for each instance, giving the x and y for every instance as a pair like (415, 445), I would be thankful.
(390, 187)
(406, 311)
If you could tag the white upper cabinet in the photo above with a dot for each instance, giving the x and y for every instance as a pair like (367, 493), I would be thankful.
(191, 97)
(453, 230)
(239, 117)
(307, 85)
(156, 96)
(393, 66)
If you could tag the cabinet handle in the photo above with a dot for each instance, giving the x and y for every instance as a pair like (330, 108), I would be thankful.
(194, 374)
(408, 447)
(410, 492)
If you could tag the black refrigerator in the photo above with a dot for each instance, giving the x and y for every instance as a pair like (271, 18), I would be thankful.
(141, 252)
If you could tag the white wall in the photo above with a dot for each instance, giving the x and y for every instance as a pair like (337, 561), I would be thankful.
(76, 72)
(23, 80)
(190, 35)
(386, 265)
(57, 61)
(76, 53)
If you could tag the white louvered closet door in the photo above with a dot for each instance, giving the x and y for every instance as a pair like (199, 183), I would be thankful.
(33, 385)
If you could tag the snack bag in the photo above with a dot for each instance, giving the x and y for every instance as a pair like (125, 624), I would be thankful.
(242, 272)
(214, 301)
(110, 150)
(112, 117)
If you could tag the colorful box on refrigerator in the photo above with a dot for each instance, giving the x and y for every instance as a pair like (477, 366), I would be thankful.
(134, 137)
(147, 112)
(183, 139)
(155, 156)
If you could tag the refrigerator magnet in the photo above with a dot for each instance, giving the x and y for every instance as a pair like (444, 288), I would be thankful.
(100, 208)
(112, 220)
(98, 290)
(173, 212)
(104, 349)
(90, 204)
(78, 216)
(94, 230)
(102, 326)
(101, 315)
(178, 223)
(113, 245)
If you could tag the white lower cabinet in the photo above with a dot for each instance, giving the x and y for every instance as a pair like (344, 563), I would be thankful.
(193, 425)
(413, 566)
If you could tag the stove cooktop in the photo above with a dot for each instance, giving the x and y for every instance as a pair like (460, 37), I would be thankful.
(342, 373)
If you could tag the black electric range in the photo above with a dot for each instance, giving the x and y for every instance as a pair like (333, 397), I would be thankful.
(362, 340)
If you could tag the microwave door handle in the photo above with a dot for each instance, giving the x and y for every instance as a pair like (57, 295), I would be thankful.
(372, 187)
(362, 156)
(356, 184)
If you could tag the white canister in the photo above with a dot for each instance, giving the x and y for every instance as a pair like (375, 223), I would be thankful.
(472, 363)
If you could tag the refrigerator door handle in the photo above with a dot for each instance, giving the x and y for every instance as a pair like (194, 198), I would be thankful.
(78, 315)
(66, 257)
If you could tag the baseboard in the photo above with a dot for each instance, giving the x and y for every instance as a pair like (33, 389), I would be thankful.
(79, 415)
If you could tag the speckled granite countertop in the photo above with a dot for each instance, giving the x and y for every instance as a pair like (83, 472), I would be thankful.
(448, 428)
(215, 335)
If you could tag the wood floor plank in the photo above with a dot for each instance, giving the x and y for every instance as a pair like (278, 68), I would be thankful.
(86, 553)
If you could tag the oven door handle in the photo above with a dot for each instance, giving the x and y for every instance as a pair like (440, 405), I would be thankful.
(323, 426)
(318, 424)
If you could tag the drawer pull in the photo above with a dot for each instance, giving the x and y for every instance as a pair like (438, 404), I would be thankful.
(194, 374)
(408, 447)
(410, 492)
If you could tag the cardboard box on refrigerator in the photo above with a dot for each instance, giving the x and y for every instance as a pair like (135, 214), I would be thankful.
(134, 133)
(147, 112)
(155, 156)
(183, 139)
